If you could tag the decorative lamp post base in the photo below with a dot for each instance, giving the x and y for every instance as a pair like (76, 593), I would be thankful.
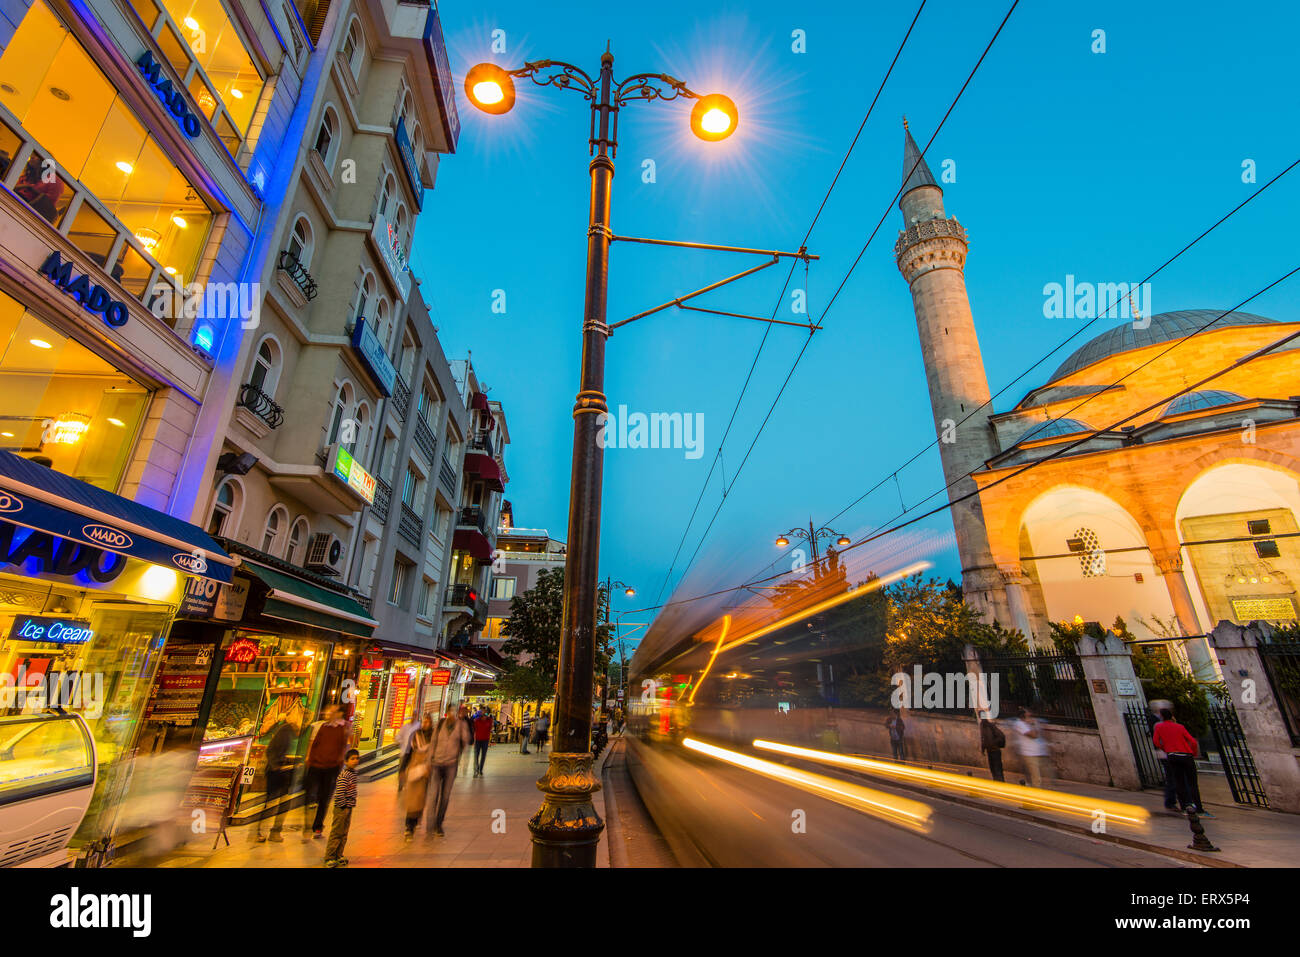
(566, 830)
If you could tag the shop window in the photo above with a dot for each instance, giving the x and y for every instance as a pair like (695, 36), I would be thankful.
(213, 48)
(132, 271)
(62, 403)
(93, 234)
(10, 143)
(63, 100)
(224, 503)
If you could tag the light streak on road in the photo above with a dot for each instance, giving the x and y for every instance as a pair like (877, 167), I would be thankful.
(1076, 805)
(901, 811)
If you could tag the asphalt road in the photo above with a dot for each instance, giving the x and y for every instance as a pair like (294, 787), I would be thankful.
(716, 815)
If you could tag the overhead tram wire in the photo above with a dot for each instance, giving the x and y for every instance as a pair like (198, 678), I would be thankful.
(1270, 347)
(844, 281)
(1070, 338)
(781, 298)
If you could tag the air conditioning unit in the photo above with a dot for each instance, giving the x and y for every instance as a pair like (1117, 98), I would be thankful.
(325, 554)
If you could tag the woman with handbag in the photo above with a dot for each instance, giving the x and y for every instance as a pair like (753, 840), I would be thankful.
(415, 782)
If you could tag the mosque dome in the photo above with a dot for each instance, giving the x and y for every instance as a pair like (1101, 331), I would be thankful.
(1204, 399)
(1052, 428)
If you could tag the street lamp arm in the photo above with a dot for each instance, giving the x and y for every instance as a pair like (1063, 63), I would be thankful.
(564, 76)
(645, 86)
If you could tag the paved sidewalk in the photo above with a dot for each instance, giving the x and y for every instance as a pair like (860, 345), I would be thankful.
(486, 826)
(1246, 836)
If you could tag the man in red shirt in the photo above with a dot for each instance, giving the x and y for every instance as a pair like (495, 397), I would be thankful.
(482, 725)
(1177, 742)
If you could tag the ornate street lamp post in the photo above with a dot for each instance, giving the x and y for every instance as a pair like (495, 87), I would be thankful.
(566, 829)
(812, 537)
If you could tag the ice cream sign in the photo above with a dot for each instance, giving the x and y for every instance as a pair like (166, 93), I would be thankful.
(61, 631)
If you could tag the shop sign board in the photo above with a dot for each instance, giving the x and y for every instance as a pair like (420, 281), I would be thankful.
(359, 480)
(439, 677)
(409, 160)
(172, 96)
(242, 651)
(60, 631)
(371, 352)
(205, 598)
(388, 241)
(54, 541)
(401, 685)
(90, 296)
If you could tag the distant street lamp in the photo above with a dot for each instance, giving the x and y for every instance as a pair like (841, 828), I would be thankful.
(812, 536)
(566, 830)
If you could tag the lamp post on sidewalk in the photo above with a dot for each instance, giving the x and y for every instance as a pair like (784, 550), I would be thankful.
(566, 829)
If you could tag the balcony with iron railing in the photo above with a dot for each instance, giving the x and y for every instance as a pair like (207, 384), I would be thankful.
(261, 405)
(447, 476)
(401, 397)
(473, 516)
(424, 438)
(298, 273)
(467, 598)
(383, 497)
(482, 441)
(409, 525)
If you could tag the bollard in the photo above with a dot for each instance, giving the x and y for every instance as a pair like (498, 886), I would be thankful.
(1199, 841)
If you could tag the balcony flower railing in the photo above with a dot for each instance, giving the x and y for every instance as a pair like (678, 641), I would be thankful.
(261, 405)
(424, 439)
(298, 273)
(401, 398)
(409, 525)
(383, 496)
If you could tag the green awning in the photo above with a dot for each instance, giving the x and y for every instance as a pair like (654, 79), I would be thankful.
(293, 599)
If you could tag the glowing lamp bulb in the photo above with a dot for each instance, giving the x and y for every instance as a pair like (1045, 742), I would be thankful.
(714, 117)
(488, 92)
(782, 542)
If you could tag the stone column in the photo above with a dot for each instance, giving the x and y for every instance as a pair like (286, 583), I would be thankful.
(1258, 710)
(1112, 685)
(1196, 647)
(1014, 581)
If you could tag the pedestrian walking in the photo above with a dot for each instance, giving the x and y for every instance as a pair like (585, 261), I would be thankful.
(896, 736)
(279, 775)
(525, 732)
(345, 800)
(324, 762)
(450, 738)
(414, 773)
(1031, 742)
(1177, 742)
(992, 741)
(482, 726)
(541, 730)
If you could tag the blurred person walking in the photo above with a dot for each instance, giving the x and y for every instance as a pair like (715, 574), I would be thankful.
(324, 762)
(451, 737)
(1177, 742)
(279, 776)
(541, 731)
(414, 772)
(482, 726)
(896, 732)
(345, 800)
(525, 731)
(1031, 742)
(992, 741)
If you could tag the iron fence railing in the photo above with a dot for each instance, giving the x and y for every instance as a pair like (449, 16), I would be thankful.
(409, 525)
(472, 516)
(261, 405)
(298, 273)
(401, 398)
(447, 475)
(383, 497)
(424, 439)
(1050, 685)
(1282, 665)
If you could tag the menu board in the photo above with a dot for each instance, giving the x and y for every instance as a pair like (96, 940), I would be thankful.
(401, 687)
(177, 693)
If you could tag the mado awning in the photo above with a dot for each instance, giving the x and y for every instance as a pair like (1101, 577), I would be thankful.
(37, 497)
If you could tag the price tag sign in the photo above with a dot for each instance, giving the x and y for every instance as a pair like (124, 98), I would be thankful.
(249, 772)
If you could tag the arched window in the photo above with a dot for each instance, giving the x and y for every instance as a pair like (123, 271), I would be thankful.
(327, 137)
(381, 323)
(277, 522)
(225, 509)
(403, 225)
(299, 535)
(361, 434)
(366, 296)
(386, 195)
(266, 367)
(353, 47)
(340, 412)
(300, 241)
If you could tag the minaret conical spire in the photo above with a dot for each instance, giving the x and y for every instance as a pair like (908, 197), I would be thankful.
(915, 171)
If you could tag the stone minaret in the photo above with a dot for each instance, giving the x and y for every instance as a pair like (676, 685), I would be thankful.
(931, 255)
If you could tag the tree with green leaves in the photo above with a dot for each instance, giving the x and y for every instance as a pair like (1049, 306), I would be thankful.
(533, 630)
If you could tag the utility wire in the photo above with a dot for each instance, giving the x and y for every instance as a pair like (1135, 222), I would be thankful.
(920, 159)
(781, 298)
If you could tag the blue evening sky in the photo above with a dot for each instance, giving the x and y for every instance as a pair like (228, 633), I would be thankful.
(1066, 161)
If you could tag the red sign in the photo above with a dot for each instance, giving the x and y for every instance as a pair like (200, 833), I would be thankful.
(372, 664)
(439, 677)
(242, 651)
(401, 693)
